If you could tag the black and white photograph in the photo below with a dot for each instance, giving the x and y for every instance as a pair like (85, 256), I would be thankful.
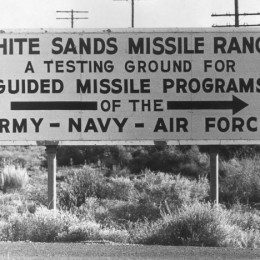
(130, 129)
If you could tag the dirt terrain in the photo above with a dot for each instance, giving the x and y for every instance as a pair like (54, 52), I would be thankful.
(28, 250)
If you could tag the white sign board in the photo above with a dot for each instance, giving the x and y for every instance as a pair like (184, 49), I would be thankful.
(134, 86)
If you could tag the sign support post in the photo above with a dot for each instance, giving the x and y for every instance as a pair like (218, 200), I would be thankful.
(51, 160)
(214, 175)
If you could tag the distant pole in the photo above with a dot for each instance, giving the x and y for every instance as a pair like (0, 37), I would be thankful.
(72, 19)
(214, 175)
(236, 14)
(133, 13)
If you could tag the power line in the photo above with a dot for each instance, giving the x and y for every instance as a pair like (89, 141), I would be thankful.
(72, 17)
(236, 15)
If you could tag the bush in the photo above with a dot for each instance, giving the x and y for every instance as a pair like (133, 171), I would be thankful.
(37, 188)
(198, 224)
(114, 235)
(92, 231)
(241, 181)
(120, 213)
(185, 160)
(43, 226)
(71, 155)
(29, 157)
(11, 203)
(245, 217)
(122, 199)
(250, 239)
(79, 185)
(81, 232)
(7, 210)
(176, 190)
(16, 206)
(4, 230)
(120, 188)
(49, 226)
(13, 177)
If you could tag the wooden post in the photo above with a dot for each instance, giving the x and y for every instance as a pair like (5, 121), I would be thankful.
(214, 175)
(51, 159)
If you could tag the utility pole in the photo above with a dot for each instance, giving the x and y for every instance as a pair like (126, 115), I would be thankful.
(236, 15)
(72, 17)
(132, 13)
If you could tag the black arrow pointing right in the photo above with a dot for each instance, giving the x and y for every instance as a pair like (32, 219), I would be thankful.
(235, 105)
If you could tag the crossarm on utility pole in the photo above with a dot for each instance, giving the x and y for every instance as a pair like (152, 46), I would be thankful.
(236, 14)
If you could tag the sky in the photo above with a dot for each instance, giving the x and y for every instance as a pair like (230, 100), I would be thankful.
(34, 14)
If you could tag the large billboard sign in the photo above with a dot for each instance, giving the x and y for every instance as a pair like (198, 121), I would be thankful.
(130, 86)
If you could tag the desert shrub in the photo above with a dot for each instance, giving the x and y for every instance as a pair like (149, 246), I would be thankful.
(120, 213)
(87, 211)
(149, 197)
(29, 157)
(116, 213)
(68, 155)
(114, 235)
(9, 198)
(199, 225)
(88, 182)
(249, 239)
(186, 160)
(38, 194)
(49, 226)
(148, 233)
(245, 217)
(108, 156)
(118, 171)
(241, 181)
(4, 230)
(37, 188)
(176, 190)
(196, 224)
(80, 232)
(11, 203)
(13, 177)
(92, 231)
(43, 226)
(6, 211)
(20, 205)
(120, 188)
(122, 199)
(129, 199)
(228, 152)
(247, 220)
(79, 185)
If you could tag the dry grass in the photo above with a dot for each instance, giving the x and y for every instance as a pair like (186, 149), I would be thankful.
(13, 177)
